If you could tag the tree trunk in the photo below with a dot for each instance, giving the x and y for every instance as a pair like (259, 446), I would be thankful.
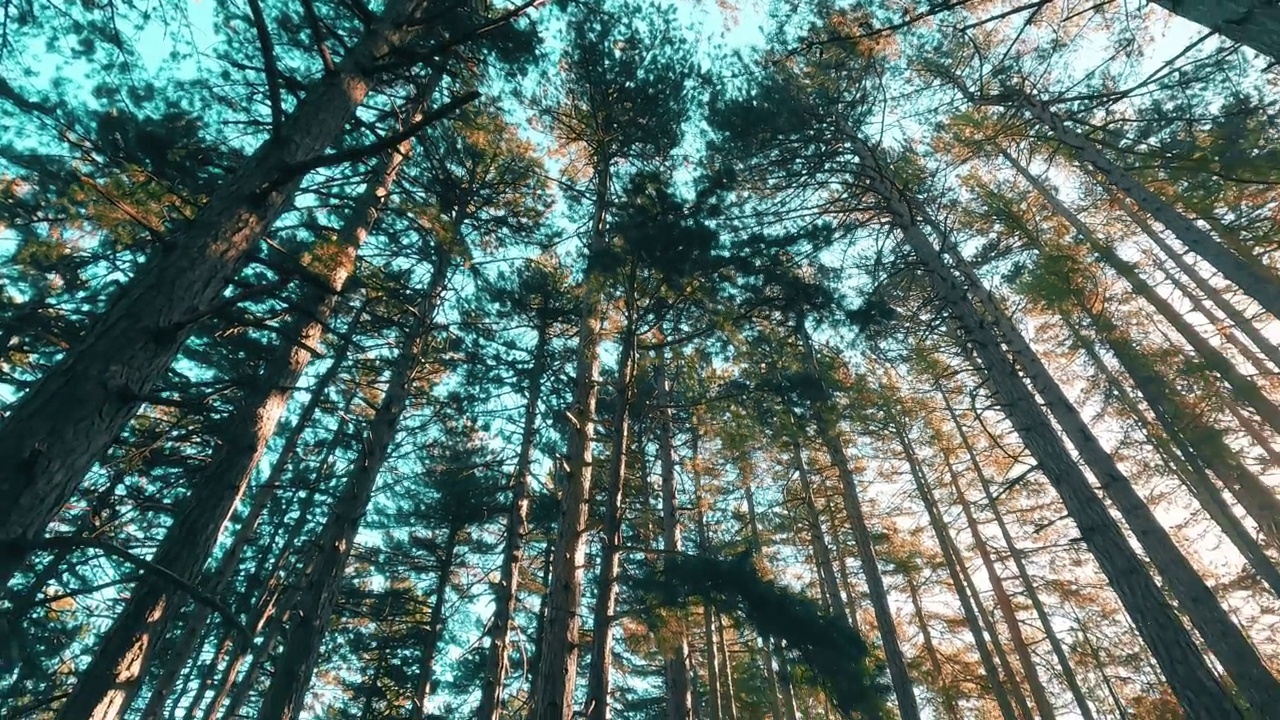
(715, 703)
(894, 657)
(323, 577)
(107, 686)
(187, 643)
(680, 703)
(1003, 602)
(1028, 584)
(1252, 23)
(1215, 296)
(946, 697)
(821, 550)
(1252, 276)
(552, 696)
(728, 698)
(52, 436)
(600, 674)
(426, 668)
(1193, 682)
(517, 528)
(970, 603)
(784, 682)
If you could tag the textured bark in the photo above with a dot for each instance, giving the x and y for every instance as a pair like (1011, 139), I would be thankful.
(600, 674)
(52, 436)
(513, 553)
(323, 577)
(1003, 602)
(108, 684)
(1252, 23)
(680, 705)
(1198, 690)
(818, 539)
(970, 604)
(1251, 275)
(945, 697)
(899, 678)
(1028, 583)
(552, 695)
(728, 698)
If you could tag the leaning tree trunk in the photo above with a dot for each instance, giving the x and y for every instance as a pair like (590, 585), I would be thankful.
(970, 604)
(1208, 289)
(517, 528)
(1193, 682)
(946, 697)
(323, 577)
(678, 674)
(1251, 275)
(1252, 23)
(107, 686)
(1024, 575)
(818, 540)
(601, 672)
(51, 437)
(899, 678)
(552, 694)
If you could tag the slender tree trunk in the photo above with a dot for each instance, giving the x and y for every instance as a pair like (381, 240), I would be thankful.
(51, 437)
(784, 682)
(944, 694)
(600, 674)
(715, 703)
(1028, 583)
(765, 659)
(894, 657)
(1257, 434)
(178, 656)
(1193, 682)
(1208, 289)
(818, 540)
(426, 668)
(680, 703)
(517, 528)
(1252, 276)
(323, 577)
(552, 697)
(1252, 23)
(1003, 602)
(728, 698)
(970, 603)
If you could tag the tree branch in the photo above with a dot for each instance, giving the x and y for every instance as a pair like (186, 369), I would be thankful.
(317, 34)
(269, 66)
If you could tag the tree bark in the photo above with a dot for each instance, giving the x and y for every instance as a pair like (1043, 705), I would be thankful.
(970, 604)
(899, 678)
(552, 696)
(1252, 23)
(944, 694)
(1193, 682)
(600, 674)
(817, 537)
(426, 667)
(680, 705)
(517, 527)
(52, 436)
(323, 577)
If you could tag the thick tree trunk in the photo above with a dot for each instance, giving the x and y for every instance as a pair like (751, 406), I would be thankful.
(944, 694)
(899, 678)
(1252, 23)
(1193, 682)
(186, 645)
(1003, 602)
(1251, 275)
(552, 696)
(513, 553)
(680, 705)
(323, 576)
(107, 686)
(52, 436)
(600, 674)
(1028, 583)
(970, 604)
